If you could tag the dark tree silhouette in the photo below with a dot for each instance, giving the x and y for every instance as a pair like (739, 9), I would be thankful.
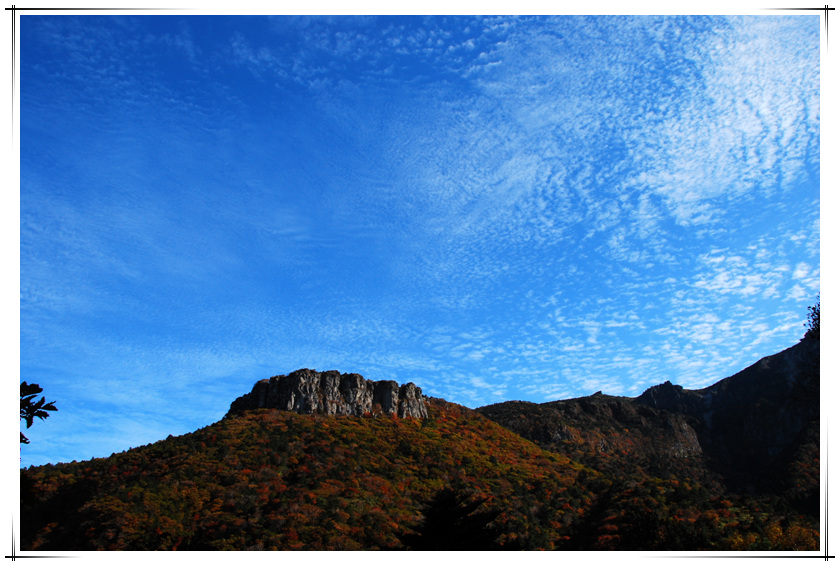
(29, 408)
(813, 324)
(452, 521)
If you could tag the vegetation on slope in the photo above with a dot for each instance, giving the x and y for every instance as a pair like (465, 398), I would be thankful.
(277, 480)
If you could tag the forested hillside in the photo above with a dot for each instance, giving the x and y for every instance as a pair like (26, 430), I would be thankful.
(595, 473)
(278, 480)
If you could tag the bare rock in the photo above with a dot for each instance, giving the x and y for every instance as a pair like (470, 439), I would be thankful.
(307, 391)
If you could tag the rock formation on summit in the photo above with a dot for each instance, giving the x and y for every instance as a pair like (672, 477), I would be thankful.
(307, 391)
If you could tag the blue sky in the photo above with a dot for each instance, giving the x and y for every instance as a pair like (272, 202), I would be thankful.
(494, 208)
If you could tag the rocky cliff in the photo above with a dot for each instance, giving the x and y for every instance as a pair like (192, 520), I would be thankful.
(752, 419)
(307, 391)
(753, 428)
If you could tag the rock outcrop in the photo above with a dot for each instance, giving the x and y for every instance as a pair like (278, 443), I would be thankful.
(750, 418)
(307, 391)
(752, 428)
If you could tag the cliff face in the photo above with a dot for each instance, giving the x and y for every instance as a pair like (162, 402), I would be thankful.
(307, 391)
(749, 419)
(753, 428)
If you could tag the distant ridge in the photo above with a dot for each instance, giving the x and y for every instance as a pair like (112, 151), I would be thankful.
(750, 427)
(309, 392)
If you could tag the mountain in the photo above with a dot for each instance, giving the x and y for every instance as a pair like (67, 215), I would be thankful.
(750, 425)
(329, 461)
(751, 431)
(272, 479)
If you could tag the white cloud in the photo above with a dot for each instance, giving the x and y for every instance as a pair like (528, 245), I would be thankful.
(746, 119)
(797, 292)
(801, 271)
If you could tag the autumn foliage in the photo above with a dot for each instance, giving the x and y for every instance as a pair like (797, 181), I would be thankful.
(273, 480)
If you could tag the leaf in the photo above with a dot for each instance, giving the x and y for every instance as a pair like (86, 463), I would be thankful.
(29, 410)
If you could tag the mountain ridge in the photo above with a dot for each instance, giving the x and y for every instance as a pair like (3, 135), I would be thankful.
(739, 426)
(592, 473)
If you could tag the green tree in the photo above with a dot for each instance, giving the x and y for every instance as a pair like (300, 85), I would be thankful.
(29, 408)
